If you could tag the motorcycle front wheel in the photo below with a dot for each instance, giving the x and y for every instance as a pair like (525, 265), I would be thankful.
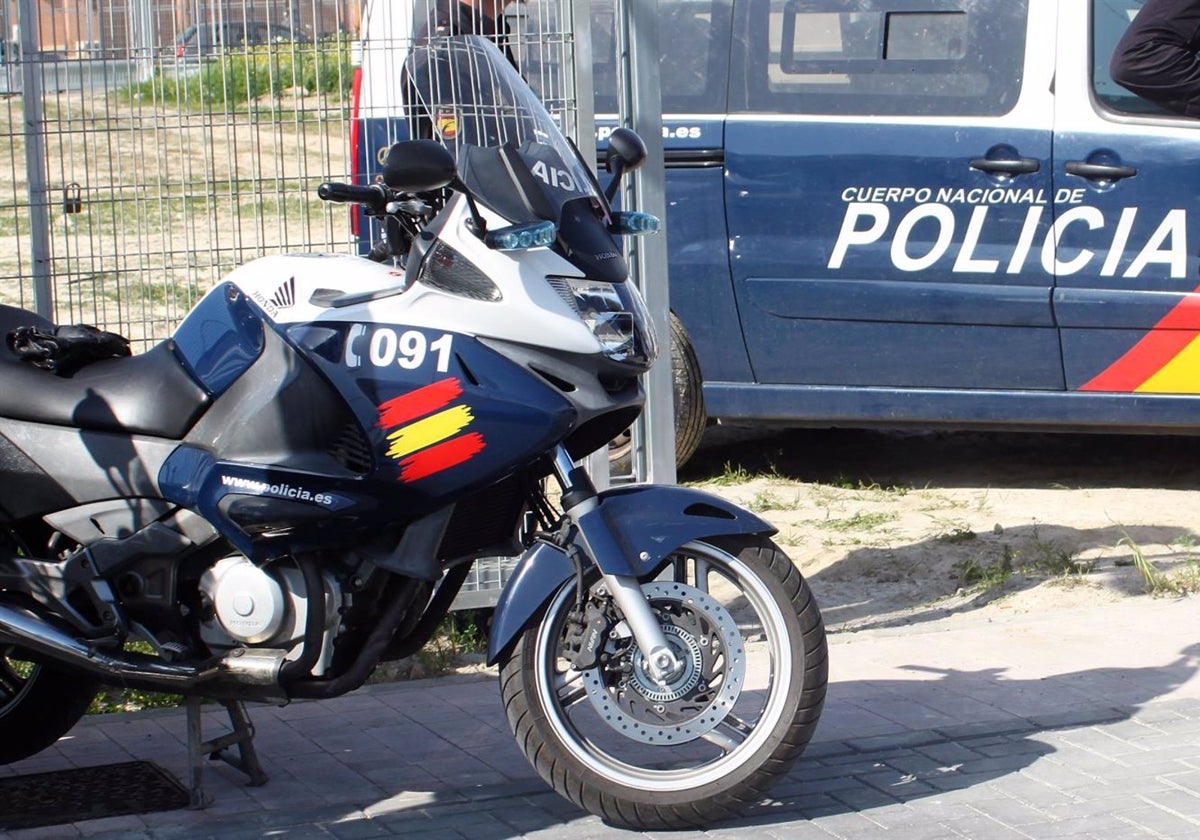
(712, 738)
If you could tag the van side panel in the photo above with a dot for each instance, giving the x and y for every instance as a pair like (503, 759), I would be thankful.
(887, 199)
(1128, 298)
(701, 293)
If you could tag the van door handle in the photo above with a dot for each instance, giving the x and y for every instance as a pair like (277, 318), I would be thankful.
(1099, 171)
(1014, 166)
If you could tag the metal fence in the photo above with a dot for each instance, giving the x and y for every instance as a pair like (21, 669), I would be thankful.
(156, 144)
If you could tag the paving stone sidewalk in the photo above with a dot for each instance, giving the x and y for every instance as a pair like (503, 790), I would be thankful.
(1070, 724)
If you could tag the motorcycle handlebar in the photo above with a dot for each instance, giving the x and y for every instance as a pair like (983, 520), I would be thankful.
(374, 196)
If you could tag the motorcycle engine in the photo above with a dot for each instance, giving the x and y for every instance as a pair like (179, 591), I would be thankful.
(263, 607)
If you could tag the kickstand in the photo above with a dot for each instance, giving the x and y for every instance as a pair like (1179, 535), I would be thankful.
(242, 735)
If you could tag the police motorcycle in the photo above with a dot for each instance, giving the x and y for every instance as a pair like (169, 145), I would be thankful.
(292, 488)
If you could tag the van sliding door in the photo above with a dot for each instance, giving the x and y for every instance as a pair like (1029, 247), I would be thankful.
(888, 194)
(1128, 296)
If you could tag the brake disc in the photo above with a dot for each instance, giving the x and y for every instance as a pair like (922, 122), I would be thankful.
(705, 639)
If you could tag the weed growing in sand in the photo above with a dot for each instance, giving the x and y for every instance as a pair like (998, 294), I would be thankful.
(458, 634)
(1039, 557)
(1182, 581)
(1048, 557)
(789, 538)
(958, 535)
(865, 489)
(731, 475)
(1185, 542)
(770, 500)
(859, 522)
(974, 573)
(1152, 579)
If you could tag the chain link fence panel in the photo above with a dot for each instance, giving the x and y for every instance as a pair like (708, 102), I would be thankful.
(157, 144)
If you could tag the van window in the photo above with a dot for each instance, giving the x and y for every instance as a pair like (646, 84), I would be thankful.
(887, 57)
(1110, 19)
(694, 43)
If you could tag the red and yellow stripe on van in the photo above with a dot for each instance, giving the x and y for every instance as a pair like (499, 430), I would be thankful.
(1165, 361)
(427, 432)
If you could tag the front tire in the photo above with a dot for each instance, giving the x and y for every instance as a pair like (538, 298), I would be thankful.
(38, 705)
(714, 738)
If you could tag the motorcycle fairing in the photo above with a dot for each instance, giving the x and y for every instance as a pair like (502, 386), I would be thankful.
(266, 511)
(632, 532)
(51, 468)
(220, 339)
(317, 441)
(441, 422)
(26, 489)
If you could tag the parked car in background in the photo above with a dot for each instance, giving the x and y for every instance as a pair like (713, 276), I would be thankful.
(921, 213)
(202, 40)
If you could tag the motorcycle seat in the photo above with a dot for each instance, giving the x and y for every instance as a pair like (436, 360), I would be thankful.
(149, 393)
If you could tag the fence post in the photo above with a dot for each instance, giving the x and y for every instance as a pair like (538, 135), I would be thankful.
(640, 105)
(35, 157)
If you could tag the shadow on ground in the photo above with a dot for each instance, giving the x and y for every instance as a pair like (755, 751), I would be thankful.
(1038, 553)
(949, 459)
(836, 778)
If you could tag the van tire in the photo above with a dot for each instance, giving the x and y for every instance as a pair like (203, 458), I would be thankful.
(690, 416)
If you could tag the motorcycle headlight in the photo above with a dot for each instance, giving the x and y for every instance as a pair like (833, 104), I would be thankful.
(616, 315)
(446, 269)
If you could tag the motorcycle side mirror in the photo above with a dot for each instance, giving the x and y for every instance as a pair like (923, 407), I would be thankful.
(626, 152)
(419, 166)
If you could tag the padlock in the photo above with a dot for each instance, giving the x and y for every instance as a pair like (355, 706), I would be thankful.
(72, 202)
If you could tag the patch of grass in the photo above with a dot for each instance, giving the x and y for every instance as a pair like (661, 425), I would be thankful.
(112, 699)
(770, 500)
(975, 574)
(182, 296)
(1186, 581)
(1185, 542)
(460, 633)
(1049, 557)
(1152, 579)
(864, 486)
(14, 224)
(789, 538)
(1183, 581)
(956, 536)
(239, 78)
(859, 522)
(897, 490)
(731, 475)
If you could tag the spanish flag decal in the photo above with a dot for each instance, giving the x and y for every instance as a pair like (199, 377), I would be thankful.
(1165, 361)
(446, 125)
(427, 432)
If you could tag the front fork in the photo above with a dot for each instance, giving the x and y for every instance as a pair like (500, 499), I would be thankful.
(579, 498)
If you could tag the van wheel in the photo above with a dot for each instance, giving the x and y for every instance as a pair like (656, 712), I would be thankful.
(690, 417)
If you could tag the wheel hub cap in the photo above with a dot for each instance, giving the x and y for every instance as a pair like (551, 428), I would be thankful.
(705, 638)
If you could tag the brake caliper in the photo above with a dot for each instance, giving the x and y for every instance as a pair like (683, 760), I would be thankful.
(586, 635)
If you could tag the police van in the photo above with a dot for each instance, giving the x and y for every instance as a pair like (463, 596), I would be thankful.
(934, 213)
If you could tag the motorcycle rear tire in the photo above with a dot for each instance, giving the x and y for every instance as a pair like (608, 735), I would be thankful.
(38, 705)
(565, 724)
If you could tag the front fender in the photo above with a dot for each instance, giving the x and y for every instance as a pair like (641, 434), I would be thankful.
(631, 532)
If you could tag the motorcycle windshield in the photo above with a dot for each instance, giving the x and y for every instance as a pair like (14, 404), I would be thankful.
(510, 152)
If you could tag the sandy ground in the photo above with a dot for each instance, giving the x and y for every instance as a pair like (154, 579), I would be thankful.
(894, 529)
